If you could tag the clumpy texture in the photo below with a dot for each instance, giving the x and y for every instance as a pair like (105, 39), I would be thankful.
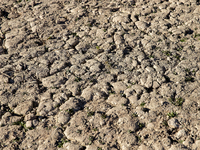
(100, 74)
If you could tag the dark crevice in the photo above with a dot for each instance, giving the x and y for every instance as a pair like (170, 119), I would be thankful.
(168, 26)
(35, 104)
(115, 78)
(42, 89)
(139, 95)
(167, 79)
(127, 50)
(39, 43)
(167, 16)
(14, 91)
(5, 14)
(146, 109)
(172, 140)
(149, 90)
(114, 9)
(189, 31)
(136, 16)
(146, 136)
(83, 148)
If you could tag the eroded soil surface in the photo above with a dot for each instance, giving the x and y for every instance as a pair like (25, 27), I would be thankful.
(100, 74)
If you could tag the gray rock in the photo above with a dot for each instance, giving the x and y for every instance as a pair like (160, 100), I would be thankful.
(141, 25)
(93, 65)
(127, 123)
(126, 140)
(63, 117)
(88, 94)
(181, 133)
(53, 81)
(70, 106)
(24, 108)
(116, 100)
(119, 87)
(29, 124)
(121, 18)
(70, 146)
(173, 123)
(8, 119)
(44, 107)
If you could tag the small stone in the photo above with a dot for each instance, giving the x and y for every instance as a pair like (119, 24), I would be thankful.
(188, 142)
(63, 117)
(141, 25)
(180, 133)
(158, 146)
(91, 147)
(44, 107)
(29, 117)
(87, 93)
(53, 81)
(134, 63)
(24, 108)
(173, 123)
(120, 19)
(150, 125)
(166, 142)
(143, 147)
(93, 65)
(35, 122)
(28, 124)
(117, 100)
(126, 140)
(196, 145)
(119, 87)
(100, 33)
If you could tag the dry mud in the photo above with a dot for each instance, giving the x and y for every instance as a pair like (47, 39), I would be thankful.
(100, 75)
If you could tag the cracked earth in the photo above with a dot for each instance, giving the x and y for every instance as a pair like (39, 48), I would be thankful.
(100, 75)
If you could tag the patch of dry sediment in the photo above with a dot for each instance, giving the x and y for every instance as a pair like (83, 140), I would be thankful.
(102, 75)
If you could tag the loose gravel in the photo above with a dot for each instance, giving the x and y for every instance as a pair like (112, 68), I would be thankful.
(100, 75)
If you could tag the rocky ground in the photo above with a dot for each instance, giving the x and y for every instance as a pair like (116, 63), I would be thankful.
(100, 74)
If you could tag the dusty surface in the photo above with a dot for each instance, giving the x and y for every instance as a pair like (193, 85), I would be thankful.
(100, 75)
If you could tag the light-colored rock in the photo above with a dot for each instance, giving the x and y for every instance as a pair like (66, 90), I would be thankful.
(120, 19)
(126, 140)
(93, 65)
(7, 119)
(87, 93)
(28, 124)
(141, 25)
(72, 104)
(53, 81)
(188, 142)
(24, 108)
(119, 87)
(70, 146)
(127, 123)
(91, 147)
(196, 145)
(181, 133)
(63, 117)
(117, 100)
(158, 146)
(173, 123)
(44, 107)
